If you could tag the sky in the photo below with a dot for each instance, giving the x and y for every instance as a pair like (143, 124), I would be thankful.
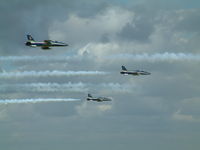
(43, 93)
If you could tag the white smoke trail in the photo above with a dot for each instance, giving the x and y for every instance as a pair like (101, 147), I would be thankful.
(66, 87)
(44, 87)
(39, 100)
(166, 56)
(48, 73)
(38, 58)
(157, 57)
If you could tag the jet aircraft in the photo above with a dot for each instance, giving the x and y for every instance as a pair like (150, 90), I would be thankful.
(99, 99)
(135, 72)
(45, 45)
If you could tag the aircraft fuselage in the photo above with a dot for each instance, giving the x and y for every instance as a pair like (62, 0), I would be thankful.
(135, 73)
(45, 45)
(100, 99)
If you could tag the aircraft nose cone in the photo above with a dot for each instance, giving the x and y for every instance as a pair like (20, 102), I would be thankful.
(66, 44)
(62, 43)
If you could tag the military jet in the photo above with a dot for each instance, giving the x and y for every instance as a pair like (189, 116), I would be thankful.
(99, 99)
(45, 45)
(135, 72)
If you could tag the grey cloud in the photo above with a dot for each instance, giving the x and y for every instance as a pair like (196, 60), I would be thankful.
(147, 112)
(139, 30)
(188, 21)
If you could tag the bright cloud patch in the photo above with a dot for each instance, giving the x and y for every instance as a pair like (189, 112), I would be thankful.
(107, 22)
(91, 109)
(183, 117)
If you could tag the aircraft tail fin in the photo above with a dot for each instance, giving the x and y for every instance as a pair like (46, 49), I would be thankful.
(124, 68)
(30, 38)
(89, 95)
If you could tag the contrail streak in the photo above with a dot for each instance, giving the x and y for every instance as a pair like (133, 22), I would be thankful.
(38, 58)
(157, 57)
(48, 73)
(166, 56)
(44, 87)
(66, 87)
(39, 100)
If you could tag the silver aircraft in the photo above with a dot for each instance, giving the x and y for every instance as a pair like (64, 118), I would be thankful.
(135, 72)
(99, 99)
(45, 45)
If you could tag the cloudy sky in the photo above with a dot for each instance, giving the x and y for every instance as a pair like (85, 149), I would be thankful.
(160, 111)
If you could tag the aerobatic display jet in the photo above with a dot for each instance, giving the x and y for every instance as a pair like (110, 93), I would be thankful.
(45, 45)
(135, 72)
(99, 99)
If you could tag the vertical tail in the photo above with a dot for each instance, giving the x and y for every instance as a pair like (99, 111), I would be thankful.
(89, 95)
(30, 38)
(124, 68)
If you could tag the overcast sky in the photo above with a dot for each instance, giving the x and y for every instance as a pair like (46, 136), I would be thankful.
(160, 111)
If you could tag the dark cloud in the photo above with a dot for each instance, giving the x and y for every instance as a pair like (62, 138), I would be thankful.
(142, 25)
(188, 21)
(137, 31)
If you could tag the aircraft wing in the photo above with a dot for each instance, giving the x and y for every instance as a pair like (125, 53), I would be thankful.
(135, 73)
(47, 42)
(99, 100)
